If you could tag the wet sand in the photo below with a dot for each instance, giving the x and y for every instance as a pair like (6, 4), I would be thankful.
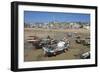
(34, 54)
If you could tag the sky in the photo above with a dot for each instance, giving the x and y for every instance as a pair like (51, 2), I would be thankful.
(45, 17)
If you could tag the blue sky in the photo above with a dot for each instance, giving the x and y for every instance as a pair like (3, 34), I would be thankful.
(35, 16)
